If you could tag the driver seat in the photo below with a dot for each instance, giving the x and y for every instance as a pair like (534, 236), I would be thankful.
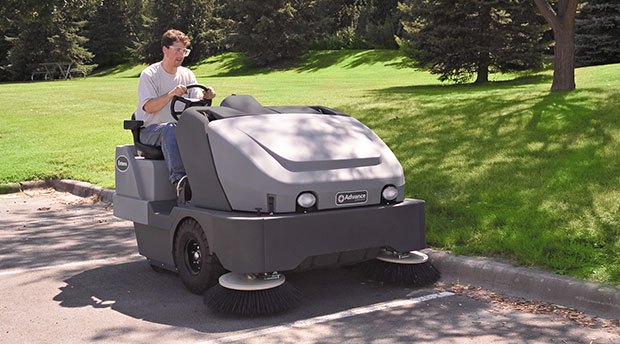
(144, 150)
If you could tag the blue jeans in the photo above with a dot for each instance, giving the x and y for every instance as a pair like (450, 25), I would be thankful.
(164, 135)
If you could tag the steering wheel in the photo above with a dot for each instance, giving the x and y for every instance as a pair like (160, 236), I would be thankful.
(189, 101)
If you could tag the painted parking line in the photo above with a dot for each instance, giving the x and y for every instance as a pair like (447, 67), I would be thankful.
(17, 271)
(377, 307)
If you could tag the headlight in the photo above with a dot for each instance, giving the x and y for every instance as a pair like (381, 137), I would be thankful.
(389, 193)
(306, 199)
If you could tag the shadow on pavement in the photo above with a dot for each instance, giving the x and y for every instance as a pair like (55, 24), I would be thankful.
(56, 234)
(133, 289)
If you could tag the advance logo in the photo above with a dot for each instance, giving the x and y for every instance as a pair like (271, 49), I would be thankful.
(348, 197)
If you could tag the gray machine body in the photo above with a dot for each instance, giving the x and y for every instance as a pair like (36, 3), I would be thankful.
(246, 171)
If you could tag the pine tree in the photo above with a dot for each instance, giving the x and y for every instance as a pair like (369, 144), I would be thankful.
(193, 17)
(358, 24)
(597, 33)
(272, 30)
(109, 33)
(460, 38)
(7, 29)
(50, 31)
(384, 25)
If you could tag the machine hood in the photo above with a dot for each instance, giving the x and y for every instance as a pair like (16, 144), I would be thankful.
(285, 154)
(311, 142)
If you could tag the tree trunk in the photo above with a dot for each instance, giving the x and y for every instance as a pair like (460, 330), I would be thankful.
(563, 24)
(564, 60)
(482, 74)
(484, 22)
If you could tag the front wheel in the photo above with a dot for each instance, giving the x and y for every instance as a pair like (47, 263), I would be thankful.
(198, 269)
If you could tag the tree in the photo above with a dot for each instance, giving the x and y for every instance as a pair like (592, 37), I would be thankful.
(47, 31)
(7, 29)
(193, 17)
(597, 32)
(109, 33)
(358, 24)
(460, 38)
(562, 22)
(272, 30)
(383, 24)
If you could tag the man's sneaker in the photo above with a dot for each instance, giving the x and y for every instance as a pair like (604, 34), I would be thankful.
(183, 191)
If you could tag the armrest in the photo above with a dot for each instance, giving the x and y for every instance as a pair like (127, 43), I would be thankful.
(132, 124)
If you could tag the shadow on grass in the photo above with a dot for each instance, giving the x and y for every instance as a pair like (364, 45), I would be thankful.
(510, 170)
(471, 88)
(391, 58)
(230, 65)
(122, 68)
(317, 60)
(235, 64)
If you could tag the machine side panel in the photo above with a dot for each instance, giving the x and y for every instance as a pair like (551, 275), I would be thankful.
(154, 180)
(252, 243)
(196, 154)
(289, 241)
(141, 178)
(131, 209)
(154, 243)
(125, 175)
(238, 241)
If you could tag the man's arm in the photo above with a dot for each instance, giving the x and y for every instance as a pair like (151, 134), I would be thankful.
(155, 104)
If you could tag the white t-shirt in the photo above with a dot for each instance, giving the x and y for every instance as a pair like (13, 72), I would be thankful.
(155, 82)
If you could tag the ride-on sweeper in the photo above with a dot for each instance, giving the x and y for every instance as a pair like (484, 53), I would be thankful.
(271, 189)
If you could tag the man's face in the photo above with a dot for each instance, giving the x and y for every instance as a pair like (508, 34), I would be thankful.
(175, 53)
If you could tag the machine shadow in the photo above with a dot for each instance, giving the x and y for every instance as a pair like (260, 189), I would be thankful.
(135, 290)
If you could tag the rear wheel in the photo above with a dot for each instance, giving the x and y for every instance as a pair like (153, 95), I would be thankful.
(198, 269)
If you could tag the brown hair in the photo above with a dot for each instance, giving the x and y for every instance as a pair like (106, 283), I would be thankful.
(172, 36)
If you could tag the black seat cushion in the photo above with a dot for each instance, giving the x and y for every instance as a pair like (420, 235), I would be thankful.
(147, 151)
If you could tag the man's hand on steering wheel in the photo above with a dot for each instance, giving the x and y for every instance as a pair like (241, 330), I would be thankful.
(188, 102)
(209, 93)
(178, 91)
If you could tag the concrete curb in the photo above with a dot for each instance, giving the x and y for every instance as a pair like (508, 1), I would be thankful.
(81, 189)
(589, 297)
(593, 298)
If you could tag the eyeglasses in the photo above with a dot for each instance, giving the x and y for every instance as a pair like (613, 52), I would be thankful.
(180, 50)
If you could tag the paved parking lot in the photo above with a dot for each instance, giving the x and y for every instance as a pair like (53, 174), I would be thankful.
(70, 272)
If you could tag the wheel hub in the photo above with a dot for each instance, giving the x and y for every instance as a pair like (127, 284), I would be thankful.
(193, 257)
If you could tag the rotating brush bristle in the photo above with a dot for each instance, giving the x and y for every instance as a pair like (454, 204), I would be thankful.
(250, 303)
(416, 272)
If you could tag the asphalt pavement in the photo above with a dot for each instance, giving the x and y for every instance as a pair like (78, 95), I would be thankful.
(70, 272)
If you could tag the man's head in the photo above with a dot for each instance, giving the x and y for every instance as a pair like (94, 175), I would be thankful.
(174, 45)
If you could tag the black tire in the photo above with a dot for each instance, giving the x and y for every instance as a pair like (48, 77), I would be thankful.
(198, 269)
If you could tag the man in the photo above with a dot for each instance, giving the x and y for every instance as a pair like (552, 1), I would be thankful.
(159, 83)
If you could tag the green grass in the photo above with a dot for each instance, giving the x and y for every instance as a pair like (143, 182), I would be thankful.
(507, 169)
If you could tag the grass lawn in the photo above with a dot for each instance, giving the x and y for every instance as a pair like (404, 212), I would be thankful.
(507, 169)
